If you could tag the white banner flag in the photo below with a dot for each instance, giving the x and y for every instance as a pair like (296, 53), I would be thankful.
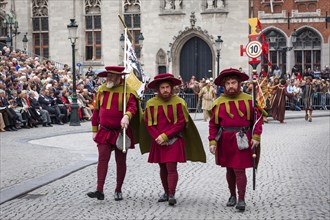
(137, 78)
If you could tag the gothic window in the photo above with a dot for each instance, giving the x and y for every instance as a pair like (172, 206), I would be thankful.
(308, 50)
(277, 51)
(172, 4)
(132, 17)
(93, 30)
(214, 4)
(40, 27)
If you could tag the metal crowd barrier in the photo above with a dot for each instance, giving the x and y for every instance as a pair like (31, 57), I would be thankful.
(192, 100)
(320, 100)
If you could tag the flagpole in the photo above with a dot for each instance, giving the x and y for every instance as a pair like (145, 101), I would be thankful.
(125, 26)
(124, 108)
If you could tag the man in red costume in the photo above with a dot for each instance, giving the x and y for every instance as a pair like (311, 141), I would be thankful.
(167, 121)
(108, 120)
(233, 133)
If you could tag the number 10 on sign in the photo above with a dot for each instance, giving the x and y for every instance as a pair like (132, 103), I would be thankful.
(254, 49)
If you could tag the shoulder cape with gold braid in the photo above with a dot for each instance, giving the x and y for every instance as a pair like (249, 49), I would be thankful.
(135, 121)
(241, 97)
(193, 143)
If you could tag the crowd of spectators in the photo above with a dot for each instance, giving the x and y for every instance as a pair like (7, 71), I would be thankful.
(35, 92)
(295, 81)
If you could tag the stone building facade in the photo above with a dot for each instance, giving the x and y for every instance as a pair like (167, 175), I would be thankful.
(179, 35)
(308, 19)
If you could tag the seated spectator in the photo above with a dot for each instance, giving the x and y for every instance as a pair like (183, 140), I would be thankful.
(87, 112)
(90, 99)
(8, 114)
(46, 120)
(47, 104)
(29, 114)
(2, 123)
(67, 100)
(57, 98)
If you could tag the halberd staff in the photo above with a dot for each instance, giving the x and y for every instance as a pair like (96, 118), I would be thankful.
(232, 113)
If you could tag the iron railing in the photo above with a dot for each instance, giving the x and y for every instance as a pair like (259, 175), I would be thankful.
(192, 101)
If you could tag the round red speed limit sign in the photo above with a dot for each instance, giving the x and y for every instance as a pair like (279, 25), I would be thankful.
(254, 49)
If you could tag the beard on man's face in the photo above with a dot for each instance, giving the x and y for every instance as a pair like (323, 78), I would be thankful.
(165, 95)
(232, 91)
(110, 84)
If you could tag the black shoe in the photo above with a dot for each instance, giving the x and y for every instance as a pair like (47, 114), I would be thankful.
(13, 128)
(118, 196)
(171, 200)
(44, 125)
(96, 194)
(231, 201)
(60, 123)
(241, 205)
(50, 125)
(163, 198)
(8, 129)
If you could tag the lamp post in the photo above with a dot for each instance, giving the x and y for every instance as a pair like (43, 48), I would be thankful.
(294, 37)
(218, 44)
(10, 23)
(74, 118)
(122, 41)
(25, 41)
(141, 39)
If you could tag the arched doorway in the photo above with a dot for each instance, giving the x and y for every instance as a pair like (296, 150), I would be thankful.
(195, 59)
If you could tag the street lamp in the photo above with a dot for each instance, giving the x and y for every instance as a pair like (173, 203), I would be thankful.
(10, 23)
(8, 41)
(294, 37)
(218, 44)
(272, 37)
(141, 39)
(122, 41)
(74, 118)
(25, 40)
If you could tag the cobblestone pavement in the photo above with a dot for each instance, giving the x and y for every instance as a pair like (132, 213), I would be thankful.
(293, 180)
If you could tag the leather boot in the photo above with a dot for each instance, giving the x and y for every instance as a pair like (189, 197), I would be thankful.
(96, 194)
(241, 205)
(231, 201)
(171, 200)
(163, 198)
(118, 196)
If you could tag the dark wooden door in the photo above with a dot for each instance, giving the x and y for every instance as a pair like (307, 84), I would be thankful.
(195, 59)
